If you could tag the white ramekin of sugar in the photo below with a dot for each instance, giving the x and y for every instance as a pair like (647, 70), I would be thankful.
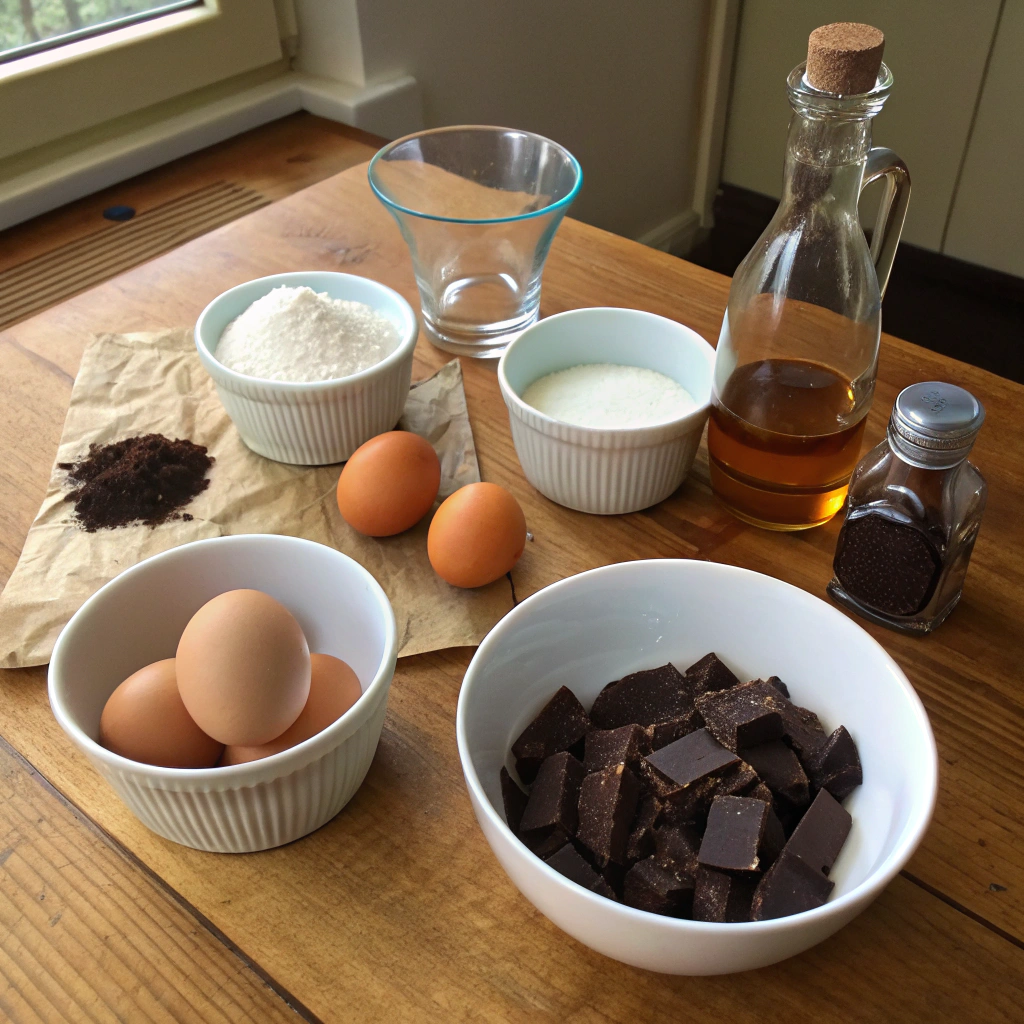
(311, 422)
(613, 468)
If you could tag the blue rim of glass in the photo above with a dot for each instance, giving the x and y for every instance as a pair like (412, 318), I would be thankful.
(543, 211)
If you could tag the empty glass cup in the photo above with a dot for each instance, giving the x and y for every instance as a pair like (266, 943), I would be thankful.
(478, 207)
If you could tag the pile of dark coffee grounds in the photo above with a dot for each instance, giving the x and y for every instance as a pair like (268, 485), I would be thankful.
(145, 479)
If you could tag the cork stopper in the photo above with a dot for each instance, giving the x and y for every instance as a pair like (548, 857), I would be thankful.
(844, 58)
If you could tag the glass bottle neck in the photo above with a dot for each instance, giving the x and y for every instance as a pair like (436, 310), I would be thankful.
(825, 161)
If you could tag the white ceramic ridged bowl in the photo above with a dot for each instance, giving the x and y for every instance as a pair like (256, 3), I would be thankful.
(606, 470)
(600, 625)
(318, 422)
(138, 617)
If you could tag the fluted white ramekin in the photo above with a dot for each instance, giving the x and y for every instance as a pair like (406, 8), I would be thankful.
(606, 470)
(319, 422)
(138, 617)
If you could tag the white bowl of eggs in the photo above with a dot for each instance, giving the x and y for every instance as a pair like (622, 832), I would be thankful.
(607, 406)
(252, 728)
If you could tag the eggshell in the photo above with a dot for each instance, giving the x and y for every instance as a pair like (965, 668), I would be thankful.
(145, 719)
(333, 689)
(243, 667)
(476, 535)
(389, 484)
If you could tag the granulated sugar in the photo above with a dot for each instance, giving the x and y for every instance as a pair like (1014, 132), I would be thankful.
(297, 334)
(607, 395)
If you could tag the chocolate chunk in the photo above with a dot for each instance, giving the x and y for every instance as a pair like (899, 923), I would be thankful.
(568, 862)
(607, 805)
(779, 685)
(608, 747)
(692, 802)
(780, 769)
(709, 674)
(745, 715)
(821, 833)
(683, 762)
(644, 698)
(561, 724)
(733, 836)
(641, 836)
(514, 800)
(677, 846)
(545, 841)
(773, 840)
(661, 734)
(721, 897)
(554, 799)
(759, 791)
(789, 886)
(658, 888)
(802, 730)
(835, 765)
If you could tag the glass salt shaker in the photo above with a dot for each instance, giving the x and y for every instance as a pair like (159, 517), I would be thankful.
(915, 506)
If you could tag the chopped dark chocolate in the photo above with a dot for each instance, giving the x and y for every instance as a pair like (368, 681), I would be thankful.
(789, 886)
(835, 765)
(773, 840)
(759, 791)
(821, 833)
(744, 715)
(693, 802)
(721, 897)
(607, 805)
(802, 730)
(643, 698)
(544, 841)
(780, 769)
(710, 673)
(608, 747)
(661, 734)
(567, 861)
(554, 798)
(560, 725)
(658, 888)
(779, 685)
(641, 836)
(514, 800)
(677, 845)
(733, 835)
(685, 761)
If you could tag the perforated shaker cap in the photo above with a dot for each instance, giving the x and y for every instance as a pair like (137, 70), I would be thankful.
(934, 424)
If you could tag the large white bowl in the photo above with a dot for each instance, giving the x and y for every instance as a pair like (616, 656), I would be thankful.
(606, 470)
(590, 629)
(319, 422)
(138, 617)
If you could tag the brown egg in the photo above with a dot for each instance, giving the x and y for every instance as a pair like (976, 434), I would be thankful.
(333, 689)
(243, 667)
(389, 483)
(476, 536)
(144, 719)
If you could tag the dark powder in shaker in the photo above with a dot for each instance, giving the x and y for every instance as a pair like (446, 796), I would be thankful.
(143, 479)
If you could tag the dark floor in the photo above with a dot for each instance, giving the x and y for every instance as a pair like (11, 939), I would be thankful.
(947, 305)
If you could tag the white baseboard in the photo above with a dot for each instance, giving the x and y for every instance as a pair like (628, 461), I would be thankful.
(389, 109)
(677, 235)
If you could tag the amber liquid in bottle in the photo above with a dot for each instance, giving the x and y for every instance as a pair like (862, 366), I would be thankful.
(783, 439)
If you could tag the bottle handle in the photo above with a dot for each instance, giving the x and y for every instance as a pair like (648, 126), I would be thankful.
(892, 210)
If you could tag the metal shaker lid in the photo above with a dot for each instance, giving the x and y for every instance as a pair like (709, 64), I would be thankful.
(934, 424)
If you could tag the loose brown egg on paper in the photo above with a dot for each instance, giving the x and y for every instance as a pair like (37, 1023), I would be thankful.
(476, 536)
(389, 483)
(146, 720)
(333, 689)
(243, 667)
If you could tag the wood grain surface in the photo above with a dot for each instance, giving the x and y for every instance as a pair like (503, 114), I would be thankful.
(397, 909)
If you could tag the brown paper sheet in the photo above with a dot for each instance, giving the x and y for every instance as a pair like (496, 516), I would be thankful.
(154, 383)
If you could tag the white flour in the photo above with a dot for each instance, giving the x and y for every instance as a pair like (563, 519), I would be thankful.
(298, 334)
(606, 395)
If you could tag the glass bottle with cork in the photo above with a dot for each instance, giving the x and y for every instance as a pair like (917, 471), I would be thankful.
(798, 349)
(915, 506)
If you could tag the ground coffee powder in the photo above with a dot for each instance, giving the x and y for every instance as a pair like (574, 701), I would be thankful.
(139, 479)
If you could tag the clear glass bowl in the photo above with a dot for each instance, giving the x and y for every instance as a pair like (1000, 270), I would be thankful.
(478, 207)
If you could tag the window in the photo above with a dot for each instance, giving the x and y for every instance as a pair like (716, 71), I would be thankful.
(30, 26)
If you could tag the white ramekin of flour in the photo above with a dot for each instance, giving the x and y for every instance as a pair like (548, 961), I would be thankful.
(343, 370)
(624, 440)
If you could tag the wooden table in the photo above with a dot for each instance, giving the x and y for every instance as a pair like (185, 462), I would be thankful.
(396, 910)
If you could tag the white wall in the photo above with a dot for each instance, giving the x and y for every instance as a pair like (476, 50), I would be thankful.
(616, 83)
